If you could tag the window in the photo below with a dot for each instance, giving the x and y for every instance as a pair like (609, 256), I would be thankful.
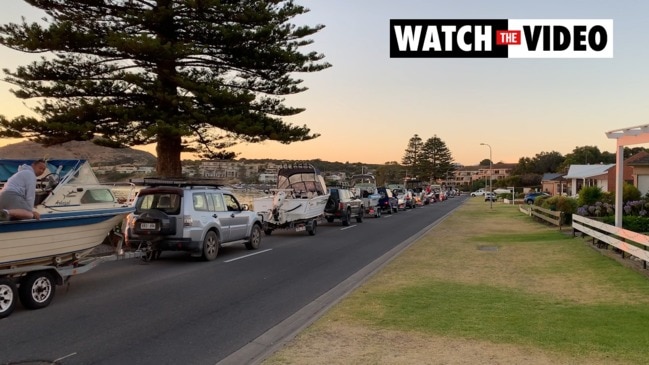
(97, 196)
(217, 200)
(200, 202)
(231, 203)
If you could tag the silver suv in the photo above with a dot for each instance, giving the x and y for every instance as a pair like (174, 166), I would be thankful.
(189, 216)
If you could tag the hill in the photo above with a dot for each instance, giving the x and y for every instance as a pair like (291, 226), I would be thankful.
(95, 154)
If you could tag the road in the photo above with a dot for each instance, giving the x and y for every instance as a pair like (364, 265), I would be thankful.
(178, 310)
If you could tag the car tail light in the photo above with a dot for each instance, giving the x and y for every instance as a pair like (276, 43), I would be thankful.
(187, 221)
(341, 206)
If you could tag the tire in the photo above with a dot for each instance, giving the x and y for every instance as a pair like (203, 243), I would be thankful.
(330, 219)
(37, 290)
(378, 213)
(8, 297)
(268, 231)
(346, 216)
(211, 246)
(359, 217)
(255, 238)
(310, 229)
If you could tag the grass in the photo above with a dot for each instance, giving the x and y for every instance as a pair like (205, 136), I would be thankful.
(535, 287)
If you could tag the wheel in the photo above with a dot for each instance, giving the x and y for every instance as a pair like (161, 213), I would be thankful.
(310, 229)
(255, 238)
(330, 219)
(377, 213)
(37, 290)
(8, 297)
(346, 216)
(210, 246)
(268, 231)
(359, 217)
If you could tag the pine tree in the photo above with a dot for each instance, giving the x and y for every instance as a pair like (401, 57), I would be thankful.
(438, 158)
(413, 158)
(189, 75)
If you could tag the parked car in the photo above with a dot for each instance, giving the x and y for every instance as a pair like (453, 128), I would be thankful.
(344, 205)
(388, 202)
(490, 196)
(192, 217)
(478, 192)
(531, 196)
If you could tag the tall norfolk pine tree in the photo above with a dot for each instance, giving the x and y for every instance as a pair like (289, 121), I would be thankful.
(189, 75)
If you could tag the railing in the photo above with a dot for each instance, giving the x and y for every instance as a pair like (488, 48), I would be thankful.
(633, 243)
(553, 217)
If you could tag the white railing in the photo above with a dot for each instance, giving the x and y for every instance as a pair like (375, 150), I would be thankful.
(633, 243)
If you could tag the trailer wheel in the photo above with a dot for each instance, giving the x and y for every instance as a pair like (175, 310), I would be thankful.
(37, 290)
(268, 231)
(359, 218)
(8, 297)
(310, 228)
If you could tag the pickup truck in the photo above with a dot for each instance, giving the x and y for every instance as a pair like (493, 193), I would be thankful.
(478, 192)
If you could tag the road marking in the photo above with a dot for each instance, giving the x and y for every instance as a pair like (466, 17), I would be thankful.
(348, 227)
(246, 256)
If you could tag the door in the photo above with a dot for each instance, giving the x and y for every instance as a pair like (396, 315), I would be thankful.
(238, 219)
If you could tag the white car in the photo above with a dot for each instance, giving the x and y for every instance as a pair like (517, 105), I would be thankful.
(490, 196)
(478, 192)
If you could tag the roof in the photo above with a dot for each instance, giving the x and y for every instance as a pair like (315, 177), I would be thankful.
(549, 176)
(586, 171)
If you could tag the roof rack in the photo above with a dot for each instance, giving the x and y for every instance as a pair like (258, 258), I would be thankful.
(177, 182)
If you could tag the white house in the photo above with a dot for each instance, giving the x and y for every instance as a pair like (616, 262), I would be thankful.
(588, 175)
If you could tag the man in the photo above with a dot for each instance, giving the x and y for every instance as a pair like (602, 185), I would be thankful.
(18, 194)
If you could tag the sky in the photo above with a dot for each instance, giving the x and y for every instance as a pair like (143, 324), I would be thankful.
(367, 106)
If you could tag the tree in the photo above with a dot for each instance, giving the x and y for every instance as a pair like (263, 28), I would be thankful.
(189, 75)
(586, 155)
(438, 158)
(390, 172)
(413, 156)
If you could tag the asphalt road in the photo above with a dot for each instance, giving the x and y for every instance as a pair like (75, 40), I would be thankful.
(178, 310)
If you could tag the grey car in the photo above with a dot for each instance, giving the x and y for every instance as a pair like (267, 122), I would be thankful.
(191, 217)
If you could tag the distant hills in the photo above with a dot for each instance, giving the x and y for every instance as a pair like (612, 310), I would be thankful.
(95, 154)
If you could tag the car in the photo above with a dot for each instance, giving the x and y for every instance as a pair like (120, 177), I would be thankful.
(490, 196)
(189, 216)
(531, 196)
(478, 192)
(388, 202)
(344, 205)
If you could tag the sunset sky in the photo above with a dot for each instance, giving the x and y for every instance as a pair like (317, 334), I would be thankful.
(367, 106)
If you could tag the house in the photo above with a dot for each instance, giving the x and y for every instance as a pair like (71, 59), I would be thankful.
(554, 184)
(590, 175)
(639, 163)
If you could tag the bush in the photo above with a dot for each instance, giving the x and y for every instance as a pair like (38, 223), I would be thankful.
(630, 222)
(630, 192)
(560, 203)
(589, 195)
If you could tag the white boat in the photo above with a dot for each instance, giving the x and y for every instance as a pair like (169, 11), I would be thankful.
(299, 199)
(364, 186)
(77, 213)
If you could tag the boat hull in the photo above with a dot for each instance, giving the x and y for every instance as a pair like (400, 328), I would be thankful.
(291, 210)
(54, 235)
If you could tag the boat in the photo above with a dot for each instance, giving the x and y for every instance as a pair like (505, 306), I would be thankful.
(364, 186)
(297, 202)
(77, 213)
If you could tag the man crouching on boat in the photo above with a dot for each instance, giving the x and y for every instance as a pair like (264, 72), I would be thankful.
(18, 194)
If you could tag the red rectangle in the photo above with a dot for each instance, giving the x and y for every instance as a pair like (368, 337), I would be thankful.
(506, 37)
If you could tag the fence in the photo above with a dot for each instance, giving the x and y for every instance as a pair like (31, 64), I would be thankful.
(550, 216)
(630, 242)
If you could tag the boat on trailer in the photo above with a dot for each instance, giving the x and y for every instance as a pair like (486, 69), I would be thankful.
(364, 186)
(77, 213)
(297, 202)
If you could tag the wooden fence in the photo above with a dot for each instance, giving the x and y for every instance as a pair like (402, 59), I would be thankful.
(630, 242)
(550, 216)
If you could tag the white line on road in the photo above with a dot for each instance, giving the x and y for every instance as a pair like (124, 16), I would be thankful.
(246, 256)
(348, 227)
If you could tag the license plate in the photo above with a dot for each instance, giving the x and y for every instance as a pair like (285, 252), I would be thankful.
(300, 228)
(147, 226)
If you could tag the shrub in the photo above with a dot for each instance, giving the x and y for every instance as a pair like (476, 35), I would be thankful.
(589, 195)
(630, 192)
(560, 203)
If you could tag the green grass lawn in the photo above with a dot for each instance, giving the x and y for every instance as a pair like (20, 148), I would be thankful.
(497, 275)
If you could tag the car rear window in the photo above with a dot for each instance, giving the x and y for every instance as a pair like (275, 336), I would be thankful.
(167, 202)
